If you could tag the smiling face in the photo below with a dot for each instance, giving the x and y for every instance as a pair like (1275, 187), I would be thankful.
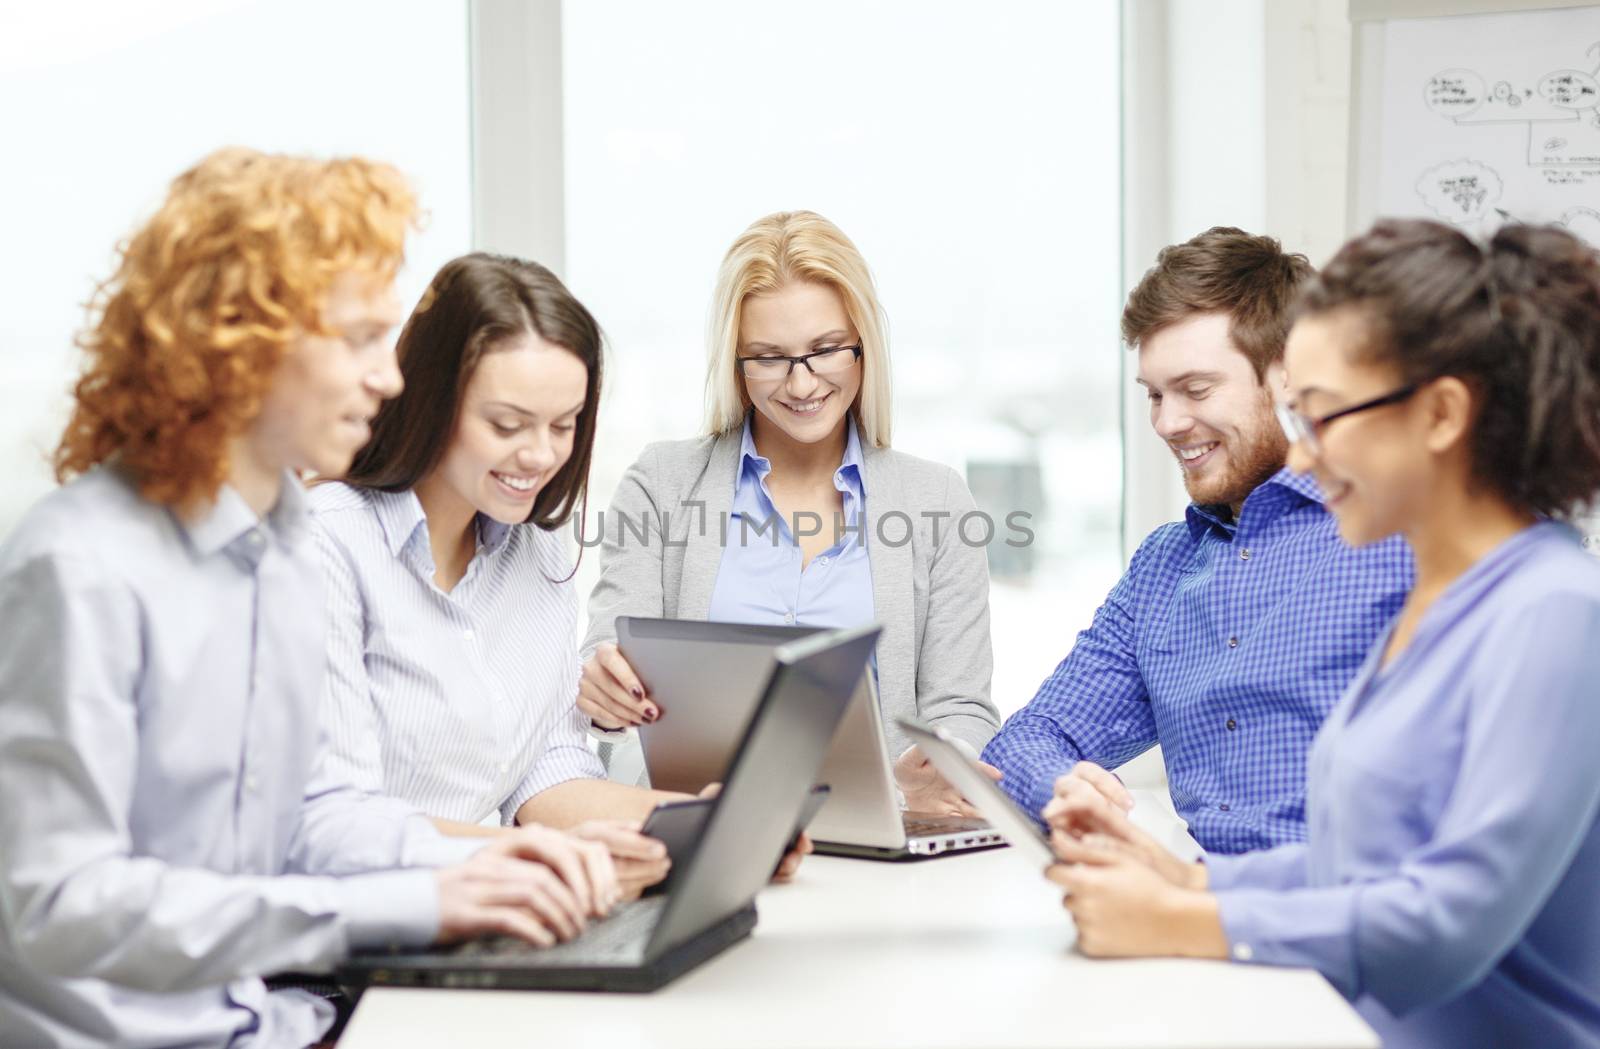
(796, 319)
(1375, 468)
(318, 411)
(1209, 407)
(515, 430)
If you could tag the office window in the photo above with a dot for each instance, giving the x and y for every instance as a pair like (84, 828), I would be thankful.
(107, 101)
(971, 154)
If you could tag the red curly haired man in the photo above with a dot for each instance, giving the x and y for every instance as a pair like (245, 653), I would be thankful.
(167, 832)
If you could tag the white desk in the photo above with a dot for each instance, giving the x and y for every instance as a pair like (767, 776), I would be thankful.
(967, 951)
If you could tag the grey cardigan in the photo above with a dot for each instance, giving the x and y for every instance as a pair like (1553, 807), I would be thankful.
(934, 658)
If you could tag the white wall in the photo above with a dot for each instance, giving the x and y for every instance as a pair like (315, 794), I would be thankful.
(102, 103)
(1195, 143)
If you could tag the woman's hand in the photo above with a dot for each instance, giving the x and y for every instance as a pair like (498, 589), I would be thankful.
(1089, 801)
(533, 883)
(611, 694)
(1124, 909)
(640, 861)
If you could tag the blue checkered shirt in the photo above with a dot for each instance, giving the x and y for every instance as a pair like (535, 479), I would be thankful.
(1227, 644)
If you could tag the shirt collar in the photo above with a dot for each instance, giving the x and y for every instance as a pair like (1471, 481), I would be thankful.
(230, 522)
(1280, 492)
(400, 514)
(750, 488)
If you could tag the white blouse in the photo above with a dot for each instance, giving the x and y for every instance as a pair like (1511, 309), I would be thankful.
(462, 703)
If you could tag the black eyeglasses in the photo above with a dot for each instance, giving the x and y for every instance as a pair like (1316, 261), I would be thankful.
(1305, 429)
(829, 361)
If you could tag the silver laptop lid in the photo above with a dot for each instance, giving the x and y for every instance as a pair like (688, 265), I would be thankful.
(707, 677)
(993, 803)
(766, 787)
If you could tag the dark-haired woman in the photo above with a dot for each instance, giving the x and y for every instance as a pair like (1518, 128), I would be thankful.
(1450, 393)
(452, 654)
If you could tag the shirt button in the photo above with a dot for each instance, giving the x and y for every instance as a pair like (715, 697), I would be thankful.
(1244, 555)
(504, 768)
(1232, 724)
(256, 538)
(250, 783)
(1225, 807)
(788, 617)
(1233, 642)
(823, 561)
(468, 634)
(1242, 952)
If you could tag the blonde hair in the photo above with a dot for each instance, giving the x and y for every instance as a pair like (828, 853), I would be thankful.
(786, 247)
(206, 299)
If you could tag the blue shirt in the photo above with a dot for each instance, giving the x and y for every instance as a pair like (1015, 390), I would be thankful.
(1227, 644)
(462, 703)
(760, 580)
(161, 768)
(1451, 883)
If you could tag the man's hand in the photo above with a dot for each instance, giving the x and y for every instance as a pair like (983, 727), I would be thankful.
(611, 694)
(497, 893)
(640, 861)
(926, 789)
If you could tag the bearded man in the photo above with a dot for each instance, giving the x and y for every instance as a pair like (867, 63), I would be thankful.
(1235, 630)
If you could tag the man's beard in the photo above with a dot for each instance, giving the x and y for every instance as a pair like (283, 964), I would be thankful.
(1254, 455)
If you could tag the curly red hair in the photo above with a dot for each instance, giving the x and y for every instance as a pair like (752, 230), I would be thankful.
(206, 298)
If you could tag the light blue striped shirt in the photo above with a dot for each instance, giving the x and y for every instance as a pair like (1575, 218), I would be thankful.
(760, 578)
(1451, 883)
(461, 703)
(160, 767)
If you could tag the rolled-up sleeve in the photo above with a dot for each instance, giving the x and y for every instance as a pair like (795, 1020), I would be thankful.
(1094, 707)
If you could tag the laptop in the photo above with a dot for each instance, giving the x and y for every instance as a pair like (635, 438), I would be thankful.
(700, 675)
(647, 943)
(1018, 828)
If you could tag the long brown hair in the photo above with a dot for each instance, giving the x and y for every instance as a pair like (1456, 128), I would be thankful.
(476, 304)
(1517, 319)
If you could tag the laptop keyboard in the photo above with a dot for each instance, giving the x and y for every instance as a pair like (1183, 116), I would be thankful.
(619, 937)
(918, 826)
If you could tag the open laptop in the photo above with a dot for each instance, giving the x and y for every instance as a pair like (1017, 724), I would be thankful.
(649, 942)
(1019, 830)
(702, 674)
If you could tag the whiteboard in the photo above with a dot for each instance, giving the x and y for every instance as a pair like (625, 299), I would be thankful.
(1477, 119)
(1477, 112)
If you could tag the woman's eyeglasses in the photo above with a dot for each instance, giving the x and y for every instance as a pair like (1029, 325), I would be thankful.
(1305, 429)
(829, 361)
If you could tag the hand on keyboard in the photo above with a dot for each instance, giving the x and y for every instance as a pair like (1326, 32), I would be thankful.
(498, 892)
(640, 861)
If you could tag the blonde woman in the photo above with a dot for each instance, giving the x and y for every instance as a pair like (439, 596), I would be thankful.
(793, 508)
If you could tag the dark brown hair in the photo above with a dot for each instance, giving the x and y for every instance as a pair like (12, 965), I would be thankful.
(1517, 320)
(475, 303)
(1223, 270)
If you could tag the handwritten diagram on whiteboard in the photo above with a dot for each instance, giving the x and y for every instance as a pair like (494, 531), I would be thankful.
(1493, 117)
